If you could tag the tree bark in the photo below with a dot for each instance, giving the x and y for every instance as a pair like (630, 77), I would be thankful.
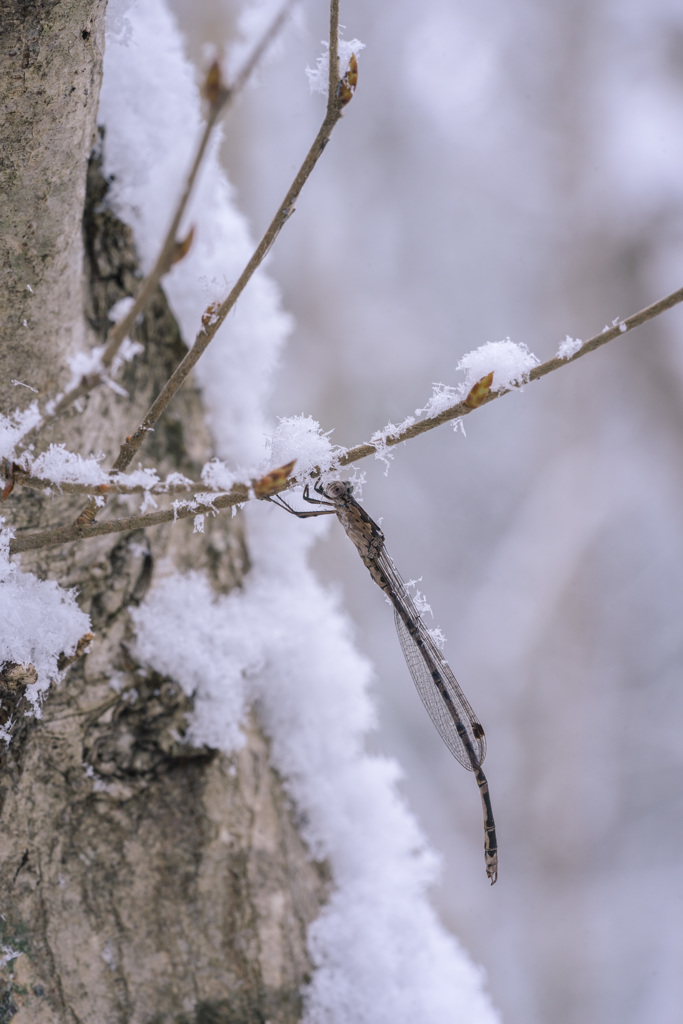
(142, 880)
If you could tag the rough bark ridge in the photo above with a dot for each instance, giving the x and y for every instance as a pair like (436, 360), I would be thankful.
(143, 881)
(50, 69)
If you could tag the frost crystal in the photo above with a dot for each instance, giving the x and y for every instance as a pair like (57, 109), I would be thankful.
(318, 77)
(61, 466)
(217, 476)
(569, 347)
(13, 428)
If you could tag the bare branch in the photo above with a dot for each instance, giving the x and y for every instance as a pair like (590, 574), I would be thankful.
(259, 50)
(22, 479)
(333, 80)
(270, 483)
(75, 531)
(204, 504)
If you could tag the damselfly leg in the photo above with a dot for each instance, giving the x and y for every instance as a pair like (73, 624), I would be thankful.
(331, 510)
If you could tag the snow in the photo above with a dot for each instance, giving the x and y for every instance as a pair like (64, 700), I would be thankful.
(8, 954)
(121, 309)
(511, 364)
(62, 466)
(23, 384)
(318, 77)
(510, 361)
(217, 476)
(443, 396)
(14, 426)
(39, 620)
(200, 640)
(84, 364)
(569, 347)
(302, 438)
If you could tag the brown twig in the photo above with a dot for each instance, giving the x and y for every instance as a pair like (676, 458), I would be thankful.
(21, 478)
(259, 50)
(17, 475)
(213, 322)
(172, 249)
(76, 531)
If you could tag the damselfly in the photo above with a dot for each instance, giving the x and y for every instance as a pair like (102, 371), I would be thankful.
(448, 708)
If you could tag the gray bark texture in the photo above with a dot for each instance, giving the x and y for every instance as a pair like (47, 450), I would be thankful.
(143, 880)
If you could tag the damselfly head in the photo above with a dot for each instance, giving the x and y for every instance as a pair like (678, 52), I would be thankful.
(339, 489)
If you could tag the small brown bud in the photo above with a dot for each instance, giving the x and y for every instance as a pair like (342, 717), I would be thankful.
(181, 248)
(210, 314)
(348, 84)
(213, 89)
(479, 391)
(272, 481)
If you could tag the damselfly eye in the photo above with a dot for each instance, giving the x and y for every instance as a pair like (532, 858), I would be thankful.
(338, 489)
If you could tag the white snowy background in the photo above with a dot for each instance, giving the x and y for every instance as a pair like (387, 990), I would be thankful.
(503, 171)
(508, 170)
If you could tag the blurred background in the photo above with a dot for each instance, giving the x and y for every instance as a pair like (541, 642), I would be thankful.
(507, 170)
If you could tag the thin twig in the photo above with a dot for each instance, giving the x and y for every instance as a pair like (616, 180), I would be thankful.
(333, 53)
(259, 50)
(74, 531)
(281, 481)
(207, 333)
(171, 247)
(21, 479)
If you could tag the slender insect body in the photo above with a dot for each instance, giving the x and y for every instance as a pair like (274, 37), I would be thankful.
(438, 688)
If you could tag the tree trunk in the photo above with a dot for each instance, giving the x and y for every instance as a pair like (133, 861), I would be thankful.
(141, 879)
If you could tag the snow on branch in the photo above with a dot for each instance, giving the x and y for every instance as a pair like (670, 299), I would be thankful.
(455, 410)
(301, 436)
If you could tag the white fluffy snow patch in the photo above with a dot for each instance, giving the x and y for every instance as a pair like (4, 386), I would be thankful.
(511, 362)
(61, 466)
(302, 438)
(187, 632)
(569, 347)
(217, 476)
(38, 622)
(13, 428)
